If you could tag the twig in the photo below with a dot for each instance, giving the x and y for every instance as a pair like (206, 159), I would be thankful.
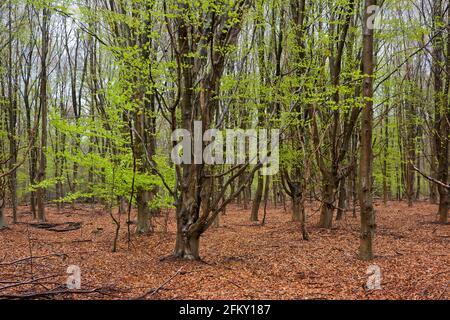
(16, 284)
(443, 292)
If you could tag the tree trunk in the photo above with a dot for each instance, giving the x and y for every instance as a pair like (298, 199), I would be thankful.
(3, 224)
(187, 247)
(297, 208)
(442, 114)
(283, 200)
(386, 188)
(299, 213)
(187, 243)
(443, 165)
(75, 169)
(13, 181)
(366, 155)
(433, 170)
(444, 205)
(143, 217)
(41, 193)
(443, 158)
(327, 209)
(353, 175)
(32, 163)
(266, 198)
(247, 195)
(418, 179)
(257, 200)
(216, 222)
(197, 107)
(12, 119)
(410, 152)
(342, 201)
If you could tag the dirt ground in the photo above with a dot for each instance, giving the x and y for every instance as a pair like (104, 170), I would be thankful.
(241, 259)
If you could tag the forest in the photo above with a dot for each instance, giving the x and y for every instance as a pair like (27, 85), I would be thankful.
(224, 149)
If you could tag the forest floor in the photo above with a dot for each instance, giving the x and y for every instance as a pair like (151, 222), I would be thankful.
(241, 259)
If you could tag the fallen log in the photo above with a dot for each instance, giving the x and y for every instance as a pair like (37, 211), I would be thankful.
(57, 227)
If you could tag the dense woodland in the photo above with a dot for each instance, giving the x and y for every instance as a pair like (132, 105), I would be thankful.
(91, 90)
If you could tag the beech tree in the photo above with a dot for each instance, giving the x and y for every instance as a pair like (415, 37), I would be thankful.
(91, 93)
(441, 68)
(365, 163)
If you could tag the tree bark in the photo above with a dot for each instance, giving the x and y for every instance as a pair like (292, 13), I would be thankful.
(257, 200)
(41, 192)
(366, 154)
(187, 246)
(442, 114)
(297, 208)
(299, 213)
(12, 118)
(386, 187)
(328, 199)
(2, 220)
(342, 201)
(2, 204)
(199, 106)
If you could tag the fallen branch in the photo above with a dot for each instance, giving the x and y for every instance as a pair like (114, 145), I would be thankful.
(442, 184)
(53, 293)
(29, 258)
(154, 291)
(58, 227)
(32, 281)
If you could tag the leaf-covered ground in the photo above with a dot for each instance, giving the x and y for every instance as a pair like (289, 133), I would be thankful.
(241, 259)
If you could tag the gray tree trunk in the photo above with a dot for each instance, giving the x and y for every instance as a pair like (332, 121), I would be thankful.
(2, 219)
(327, 209)
(257, 200)
(367, 232)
